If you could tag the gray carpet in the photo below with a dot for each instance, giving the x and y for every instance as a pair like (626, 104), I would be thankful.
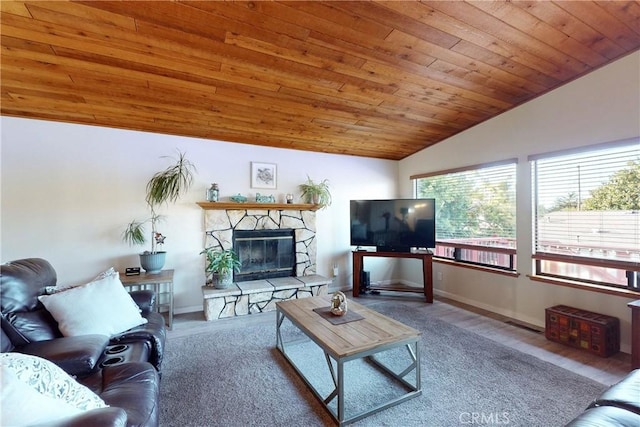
(237, 378)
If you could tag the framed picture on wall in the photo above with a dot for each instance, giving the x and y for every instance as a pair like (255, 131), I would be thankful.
(263, 175)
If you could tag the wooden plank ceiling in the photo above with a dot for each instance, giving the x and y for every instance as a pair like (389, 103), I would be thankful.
(373, 79)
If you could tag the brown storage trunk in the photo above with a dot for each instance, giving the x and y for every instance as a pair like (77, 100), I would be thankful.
(597, 333)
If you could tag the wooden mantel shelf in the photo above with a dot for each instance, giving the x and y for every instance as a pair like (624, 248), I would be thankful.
(253, 205)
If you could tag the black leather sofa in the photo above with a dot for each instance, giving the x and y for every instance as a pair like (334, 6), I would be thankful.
(131, 389)
(33, 330)
(124, 369)
(619, 406)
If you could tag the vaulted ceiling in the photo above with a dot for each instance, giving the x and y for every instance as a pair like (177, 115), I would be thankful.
(373, 79)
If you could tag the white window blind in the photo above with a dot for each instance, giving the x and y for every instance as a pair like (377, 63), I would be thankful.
(474, 204)
(587, 212)
(475, 211)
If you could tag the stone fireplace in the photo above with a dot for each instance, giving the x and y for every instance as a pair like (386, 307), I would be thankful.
(276, 244)
(220, 225)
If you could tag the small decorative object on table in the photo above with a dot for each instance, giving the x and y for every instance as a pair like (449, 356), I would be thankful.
(265, 199)
(132, 271)
(213, 193)
(238, 198)
(338, 304)
(289, 198)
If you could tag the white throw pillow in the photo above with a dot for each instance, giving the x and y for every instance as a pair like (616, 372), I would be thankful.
(35, 390)
(102, 306)
(22, 405)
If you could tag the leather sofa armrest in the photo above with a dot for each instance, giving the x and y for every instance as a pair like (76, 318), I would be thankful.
(625, 394)
(133, 386)
(145, 299)
(103, 417)
(605, 416)
(154, 332)
(75, 355)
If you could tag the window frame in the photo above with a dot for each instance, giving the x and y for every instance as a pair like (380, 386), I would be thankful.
(478, 250)
(632, 268)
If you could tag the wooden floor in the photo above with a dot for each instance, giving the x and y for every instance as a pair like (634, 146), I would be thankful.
(522, 337)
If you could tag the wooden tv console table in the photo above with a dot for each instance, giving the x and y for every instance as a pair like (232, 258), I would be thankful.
(427, 276)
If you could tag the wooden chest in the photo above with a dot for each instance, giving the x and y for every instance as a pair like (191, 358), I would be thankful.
(597, 333)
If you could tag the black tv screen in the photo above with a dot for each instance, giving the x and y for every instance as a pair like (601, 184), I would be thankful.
(394, 225)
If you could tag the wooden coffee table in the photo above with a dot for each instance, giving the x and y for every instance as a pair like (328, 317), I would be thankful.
(372, 334)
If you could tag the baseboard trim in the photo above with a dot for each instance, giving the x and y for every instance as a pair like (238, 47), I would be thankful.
(190, 309)
(487, 307)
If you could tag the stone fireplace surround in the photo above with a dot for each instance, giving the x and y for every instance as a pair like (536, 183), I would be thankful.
(222, 219)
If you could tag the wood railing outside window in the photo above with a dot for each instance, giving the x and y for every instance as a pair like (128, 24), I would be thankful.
(497, 253)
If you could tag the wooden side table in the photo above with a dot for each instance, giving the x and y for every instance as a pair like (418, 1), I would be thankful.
(161, 283)
(635, 334)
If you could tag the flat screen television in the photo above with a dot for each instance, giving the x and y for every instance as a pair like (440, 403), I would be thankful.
(394, 225)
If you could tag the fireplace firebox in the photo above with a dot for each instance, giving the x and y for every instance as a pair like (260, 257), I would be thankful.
(264, 254)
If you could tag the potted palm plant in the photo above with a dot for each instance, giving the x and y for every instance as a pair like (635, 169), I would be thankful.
(163, 187)
(221, 264)
(316, 193)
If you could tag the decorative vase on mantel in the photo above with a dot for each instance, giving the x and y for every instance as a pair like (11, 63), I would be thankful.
(152, 262)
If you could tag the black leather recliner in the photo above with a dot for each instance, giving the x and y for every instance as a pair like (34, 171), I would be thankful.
(130, 389)
(33, 330)
(124, 370)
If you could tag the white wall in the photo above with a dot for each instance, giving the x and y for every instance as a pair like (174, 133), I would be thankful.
(69, 190)
(600, 107)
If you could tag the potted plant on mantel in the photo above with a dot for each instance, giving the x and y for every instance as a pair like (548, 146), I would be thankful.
(163, 187)
(316, 193)
(221, 263)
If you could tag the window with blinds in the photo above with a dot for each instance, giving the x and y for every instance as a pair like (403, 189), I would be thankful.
(475, 213)
(587, 214)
